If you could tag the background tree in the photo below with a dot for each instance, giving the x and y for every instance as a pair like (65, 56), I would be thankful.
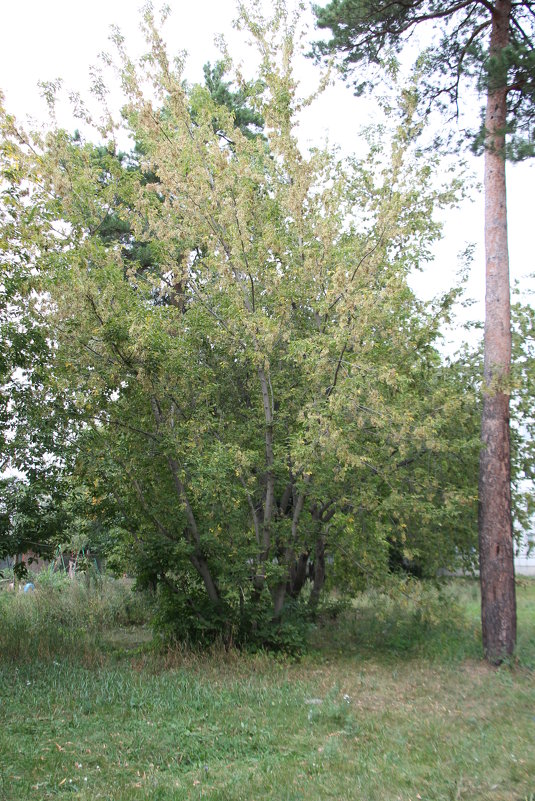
(32, 521)
(490, 44)
(31, 518)
(523, 411)
(24, 341)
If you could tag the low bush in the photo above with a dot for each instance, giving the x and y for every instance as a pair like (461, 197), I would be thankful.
(233, 625)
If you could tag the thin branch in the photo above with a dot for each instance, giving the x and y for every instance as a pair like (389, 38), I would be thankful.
(527, 39)
(114, 347)
(270, 459)
(353, 274)
(400, 28)
(244, 252)
(299, 507)
(160, 527)
(214, 315)
(333, 385)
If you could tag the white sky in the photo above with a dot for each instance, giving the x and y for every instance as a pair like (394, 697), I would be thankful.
(46, 39)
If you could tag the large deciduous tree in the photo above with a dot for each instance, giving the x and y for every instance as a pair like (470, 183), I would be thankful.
(263, 391)
(39, 426)
(491, 44)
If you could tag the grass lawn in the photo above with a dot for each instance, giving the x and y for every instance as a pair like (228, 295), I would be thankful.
(364, 716)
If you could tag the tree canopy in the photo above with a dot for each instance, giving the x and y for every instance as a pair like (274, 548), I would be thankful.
(369, 33)
(253, 394)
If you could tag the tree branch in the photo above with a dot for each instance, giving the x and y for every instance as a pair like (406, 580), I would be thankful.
(333, 385)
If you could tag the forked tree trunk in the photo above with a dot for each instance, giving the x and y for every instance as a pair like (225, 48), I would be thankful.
(298, 575)
(498, 603)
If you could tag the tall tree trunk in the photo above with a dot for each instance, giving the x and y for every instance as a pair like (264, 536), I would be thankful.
(269, 501)
(298, 575)
(498, 603)
(319, 571)
(284, 586)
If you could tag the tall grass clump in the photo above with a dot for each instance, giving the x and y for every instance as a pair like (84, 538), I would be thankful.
(65, 617)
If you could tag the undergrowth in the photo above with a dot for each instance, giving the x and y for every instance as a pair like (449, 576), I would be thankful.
(407, 618)
(89, 617)
(66, 617)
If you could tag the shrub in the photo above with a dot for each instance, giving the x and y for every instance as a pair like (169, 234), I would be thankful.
(244, 626)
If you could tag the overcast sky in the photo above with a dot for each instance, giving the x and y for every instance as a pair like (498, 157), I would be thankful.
(46, 39)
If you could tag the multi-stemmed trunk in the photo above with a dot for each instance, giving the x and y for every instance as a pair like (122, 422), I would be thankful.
(498, 604)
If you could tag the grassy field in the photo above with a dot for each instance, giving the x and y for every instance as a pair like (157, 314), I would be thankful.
(392, 702)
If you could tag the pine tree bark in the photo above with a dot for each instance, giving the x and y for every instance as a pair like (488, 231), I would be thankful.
(498, 602)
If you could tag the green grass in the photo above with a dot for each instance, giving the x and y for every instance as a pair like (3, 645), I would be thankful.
(366, 715)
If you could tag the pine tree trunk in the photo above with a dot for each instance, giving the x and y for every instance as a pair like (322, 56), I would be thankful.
(498, 603)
